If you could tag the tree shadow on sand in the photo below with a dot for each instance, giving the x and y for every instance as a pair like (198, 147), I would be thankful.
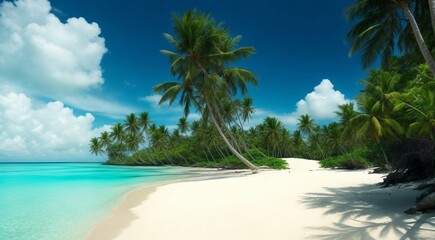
(368, 212)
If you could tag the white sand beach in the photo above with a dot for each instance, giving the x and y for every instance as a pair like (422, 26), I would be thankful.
(304, 202)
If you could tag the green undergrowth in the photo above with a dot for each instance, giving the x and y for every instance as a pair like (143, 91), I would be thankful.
(185, 156)
(254, 156)
(356, 159)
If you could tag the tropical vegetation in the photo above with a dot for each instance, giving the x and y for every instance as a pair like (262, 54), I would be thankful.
(390, 124)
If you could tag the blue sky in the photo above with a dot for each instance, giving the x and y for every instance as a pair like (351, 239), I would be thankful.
(109, 67)
(298, 44)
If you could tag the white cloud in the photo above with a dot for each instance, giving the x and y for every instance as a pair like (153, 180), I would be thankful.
(320, 104)
(44, 57)
(41, 52)
(94, 104)
(153, 99)
(49, 133)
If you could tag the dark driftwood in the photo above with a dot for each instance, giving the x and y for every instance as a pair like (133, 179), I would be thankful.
(425, 204)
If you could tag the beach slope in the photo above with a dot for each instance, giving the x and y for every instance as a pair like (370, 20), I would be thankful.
(304, 202)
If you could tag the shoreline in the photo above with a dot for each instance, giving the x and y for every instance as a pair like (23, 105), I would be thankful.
(128, 201)
(120, 217)
(305, 202)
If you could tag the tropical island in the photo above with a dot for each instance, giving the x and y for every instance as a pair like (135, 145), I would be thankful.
(390, 125)
(366, 174)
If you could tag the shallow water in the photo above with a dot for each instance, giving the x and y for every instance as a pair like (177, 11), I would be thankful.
(64, 200)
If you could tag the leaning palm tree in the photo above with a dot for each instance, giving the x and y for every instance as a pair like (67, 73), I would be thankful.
(203, 52)
(105, 139)
(107, 143)
(432, 13)
(380, 24)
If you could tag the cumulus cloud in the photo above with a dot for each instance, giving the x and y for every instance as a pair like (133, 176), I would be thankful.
(44, 57)
(41, 52)
(320, 104)
(48, 133)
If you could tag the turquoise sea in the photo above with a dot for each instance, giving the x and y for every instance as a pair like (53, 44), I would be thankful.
(65, 200)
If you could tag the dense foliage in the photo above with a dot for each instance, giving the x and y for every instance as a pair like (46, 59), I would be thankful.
(391, 123)
(197, 144)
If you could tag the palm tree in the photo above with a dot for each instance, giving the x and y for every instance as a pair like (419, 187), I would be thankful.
(144, 122)
(285, 143)
(298, 141)
(105, 139)
(382, 86)
(246, 109)
(183, 125)
(272, 132)
(373, 123)
(107, 143)
(176, 136)
(132, 124)
(379, 25)
(203, 51)
(432, 13)
(132, 141)
(198, 134)
(134, 137)
(346, 112)
(423, 115)
(228, 109)
(314, 140)
(96, 147)
(333, 133)
(306, 124)
(117, 133)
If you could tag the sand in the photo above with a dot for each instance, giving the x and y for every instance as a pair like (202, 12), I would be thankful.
(304, 202)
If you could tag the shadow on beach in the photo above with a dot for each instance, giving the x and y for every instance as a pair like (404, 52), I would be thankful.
(368, 212)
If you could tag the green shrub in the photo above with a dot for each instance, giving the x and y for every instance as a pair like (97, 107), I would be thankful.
(357, 159)
(256, 158)
(275, 163)
(184, 155)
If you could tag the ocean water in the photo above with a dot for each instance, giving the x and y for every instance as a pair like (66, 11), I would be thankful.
(64, 201)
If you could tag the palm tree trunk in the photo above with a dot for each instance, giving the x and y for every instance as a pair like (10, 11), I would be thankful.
(385, 155)
(169, 159)
(432, 13)
(219, 151)
(417, 34)
(321, 150)
(211, 154)
(152, 160)
(205, 153)
(232, 149)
